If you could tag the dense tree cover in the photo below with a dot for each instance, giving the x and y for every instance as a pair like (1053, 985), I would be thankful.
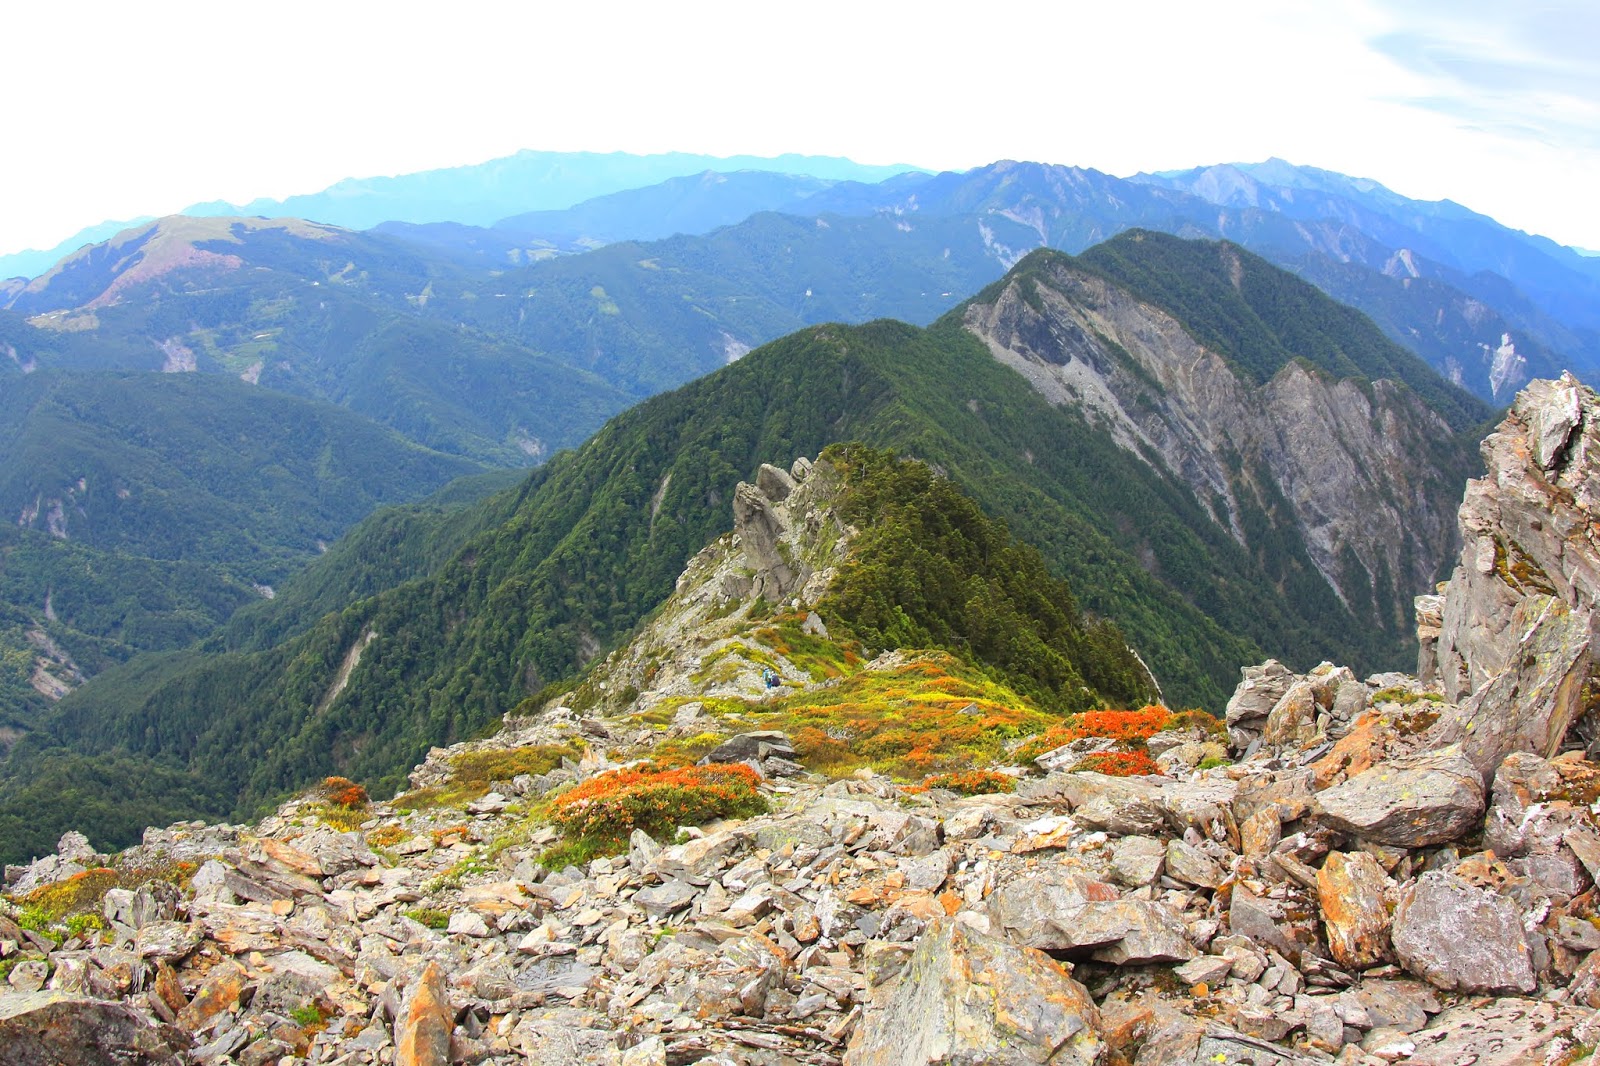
(1260, 317)
(111, 798)
(143, 510)
(929, 569)
(199, 467)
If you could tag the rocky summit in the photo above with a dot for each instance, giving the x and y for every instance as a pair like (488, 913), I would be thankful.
(695, 855)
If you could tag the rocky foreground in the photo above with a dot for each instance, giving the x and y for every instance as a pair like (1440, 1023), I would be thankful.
(1393, 869)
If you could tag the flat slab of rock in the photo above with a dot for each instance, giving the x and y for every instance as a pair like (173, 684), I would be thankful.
(56, 1029)
(966, 997)
(1508, 1032)
(1461, 938)
(1408, 803)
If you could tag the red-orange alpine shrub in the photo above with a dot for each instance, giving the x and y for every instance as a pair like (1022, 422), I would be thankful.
(343, 792)
(607, 808)
(1119, 763)
(973, 782)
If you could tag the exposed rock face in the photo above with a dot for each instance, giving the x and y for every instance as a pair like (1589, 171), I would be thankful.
(1343, 454)
(969, 998)
(1527, 536)
(55, 1029)
(1408, 803)
(1463, 938)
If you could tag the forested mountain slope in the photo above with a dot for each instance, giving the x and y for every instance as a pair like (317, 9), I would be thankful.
(579, 553)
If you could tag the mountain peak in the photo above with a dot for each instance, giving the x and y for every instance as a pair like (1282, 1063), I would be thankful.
(102, 272)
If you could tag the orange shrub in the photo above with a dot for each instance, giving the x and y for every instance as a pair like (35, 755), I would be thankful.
(606, 809)
(343, 792)
(1119, 763)
(973, 782)
(1131, 728)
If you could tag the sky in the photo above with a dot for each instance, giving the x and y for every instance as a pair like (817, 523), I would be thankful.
(117, 110)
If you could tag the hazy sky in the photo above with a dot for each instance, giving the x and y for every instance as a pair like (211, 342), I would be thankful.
(123, 109)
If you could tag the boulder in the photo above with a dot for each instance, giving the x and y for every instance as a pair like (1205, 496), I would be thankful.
(966, 997)
(1530, 705)
(1411, 802)
(752, 746)
(423, 1027)
(1258, 693)
(1189, 864)
(1351, 890)
(1507, 1032)
(1292, 721)
(1038, 911)
(56, 1029)
(1461, 938)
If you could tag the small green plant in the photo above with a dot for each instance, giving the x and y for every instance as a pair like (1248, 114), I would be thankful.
(453, 877)
(81, 925)
(432, 917)
(1211, 762)
(308, 1016)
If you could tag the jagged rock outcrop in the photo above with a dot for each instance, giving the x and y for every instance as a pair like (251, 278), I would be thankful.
(1516, 621)
(1342, 456)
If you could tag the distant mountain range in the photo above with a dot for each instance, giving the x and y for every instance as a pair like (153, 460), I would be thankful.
(477, 194)
(1488, 306)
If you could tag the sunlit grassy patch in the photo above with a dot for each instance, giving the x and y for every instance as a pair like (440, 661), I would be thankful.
(471, 773)
(930, 716)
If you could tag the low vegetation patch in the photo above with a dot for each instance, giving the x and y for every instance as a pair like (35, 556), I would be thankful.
(432, 917)
(1119, 763)
(972, 782)
(600, 814)
(72, 906)
(933, 715)
(471, 773)
(1130, 728)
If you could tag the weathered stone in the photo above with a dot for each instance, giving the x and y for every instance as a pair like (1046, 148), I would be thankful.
(746, 746)
(661, 900)
(1137, 861)
(1263, 686)
(775, 484)
(55, 1029)
(1293, 719)
(1411, 802)
(1531, 704)
(1508, 1032)
(1123, 806)
(1260, 833)
(1189, 864)
(1152, 933)
(218, 993)
(167, 941)
(422, 1029)
(1042, 911)
(966, 998)
(467, 923)
(1351, 889)
(1209, 970)
(1458, 937)
(1259, 920)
